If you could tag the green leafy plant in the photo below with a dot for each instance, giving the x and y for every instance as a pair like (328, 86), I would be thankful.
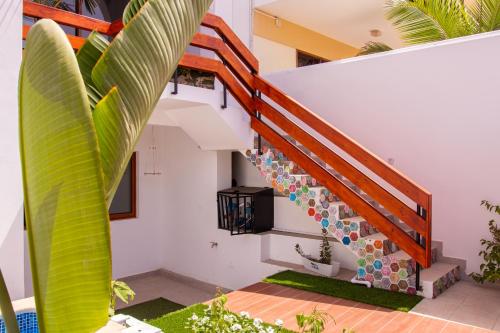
(490, 269)
(325, 250)
(218, 319)
(121, 290)
(314, 322)
(80, 118)
(423, 21)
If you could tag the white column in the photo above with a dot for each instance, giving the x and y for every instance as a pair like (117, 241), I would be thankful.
(11, 202)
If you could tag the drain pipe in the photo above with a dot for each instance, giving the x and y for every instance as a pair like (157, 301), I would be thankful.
(355, 280)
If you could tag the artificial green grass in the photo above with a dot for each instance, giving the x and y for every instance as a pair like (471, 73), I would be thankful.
(346, 290)
(151, 309)
(176, 321)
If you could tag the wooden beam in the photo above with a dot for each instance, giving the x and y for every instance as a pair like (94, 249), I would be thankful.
(227, 34)
(215, 66)
(374, 190)
(222, 50)
(36, 10)
(350, 146)
(376, 218)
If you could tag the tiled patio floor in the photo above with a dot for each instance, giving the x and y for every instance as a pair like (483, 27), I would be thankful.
(269, 302)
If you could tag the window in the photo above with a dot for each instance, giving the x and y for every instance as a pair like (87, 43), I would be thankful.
(306, 59)
(124, 203)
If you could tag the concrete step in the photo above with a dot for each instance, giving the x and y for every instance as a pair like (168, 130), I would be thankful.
(439, 277)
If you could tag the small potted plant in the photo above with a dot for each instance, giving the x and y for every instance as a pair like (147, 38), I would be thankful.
(324, 265)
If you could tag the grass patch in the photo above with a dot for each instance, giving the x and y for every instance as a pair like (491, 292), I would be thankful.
(176, 321)
(346, 290)
(151, 309)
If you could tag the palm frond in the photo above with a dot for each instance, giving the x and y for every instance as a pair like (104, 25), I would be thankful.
(373, 47)
(422, 21)
(486, 13)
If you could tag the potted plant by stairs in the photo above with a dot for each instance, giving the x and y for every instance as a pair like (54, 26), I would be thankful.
(324, 264)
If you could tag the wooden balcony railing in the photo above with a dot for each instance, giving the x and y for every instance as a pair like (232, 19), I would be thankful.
(238, 70)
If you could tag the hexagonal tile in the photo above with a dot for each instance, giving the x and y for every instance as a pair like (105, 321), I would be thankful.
(386, 282)
(378, 244)
(353, 236)
(403, 273)
(370, 259)
(318, 217)
(369, 269)
(394, 277)
(361, 252)
(325, 214)
(369, 277)
(394, 267)
(312, 202)
(346, 240)
(386, 271)
(361, 273)
(354, 226)
(403, 285)
(293, 197)
(325, 223)
(377, 275)
(311, 211)
(394, 287)
(339, 225)
(369, 248)
(361, 262)
(377, 264)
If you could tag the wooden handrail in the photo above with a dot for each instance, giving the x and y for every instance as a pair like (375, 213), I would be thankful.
(376, 218)
(242, 73)
(227, 34)
(377, 192)
(217, 67)
(406, 186)
(74, 20)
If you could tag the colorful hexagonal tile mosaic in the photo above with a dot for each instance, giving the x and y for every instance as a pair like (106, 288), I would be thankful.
(375, 261)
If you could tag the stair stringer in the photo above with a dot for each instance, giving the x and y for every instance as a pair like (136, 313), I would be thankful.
(388, 272)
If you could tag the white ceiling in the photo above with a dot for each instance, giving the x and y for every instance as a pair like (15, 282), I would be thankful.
(349, 21)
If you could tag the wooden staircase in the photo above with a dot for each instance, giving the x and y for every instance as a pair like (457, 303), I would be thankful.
(391, 238)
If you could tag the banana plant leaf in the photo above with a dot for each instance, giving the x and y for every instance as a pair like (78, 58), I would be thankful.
(75, 145)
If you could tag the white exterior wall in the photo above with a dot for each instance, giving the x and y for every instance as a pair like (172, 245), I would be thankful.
(136, 243)
(11, 212)
(434, 110)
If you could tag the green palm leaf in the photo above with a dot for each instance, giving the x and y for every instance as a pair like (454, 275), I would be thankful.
(487, 14)
(139, 65)
(66, 213)
(422, 21)
(373, 47)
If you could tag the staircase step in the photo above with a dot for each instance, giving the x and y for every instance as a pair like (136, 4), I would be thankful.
(439, 277)
(389, 247)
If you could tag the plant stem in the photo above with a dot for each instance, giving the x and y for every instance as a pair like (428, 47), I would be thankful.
(8, 314)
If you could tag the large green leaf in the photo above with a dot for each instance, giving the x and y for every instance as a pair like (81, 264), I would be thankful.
(422, 21)
(139, 63)
(66, 213)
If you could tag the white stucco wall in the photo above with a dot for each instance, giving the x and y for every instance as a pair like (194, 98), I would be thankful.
(194, 176)
(11, 212)
(136, 243)
(434, 110)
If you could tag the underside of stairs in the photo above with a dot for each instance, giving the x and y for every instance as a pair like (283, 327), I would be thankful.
(379, 260)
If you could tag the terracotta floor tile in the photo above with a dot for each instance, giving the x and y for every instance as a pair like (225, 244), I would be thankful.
(377, 319)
